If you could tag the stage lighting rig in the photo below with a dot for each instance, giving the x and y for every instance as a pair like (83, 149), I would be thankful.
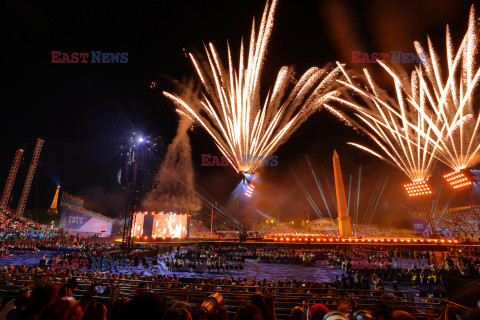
(418, 188)
(459, 180)
(249, 190)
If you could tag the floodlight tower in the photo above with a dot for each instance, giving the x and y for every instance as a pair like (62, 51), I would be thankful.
(140, 155)
(131, 171)
(418, 189)
(462, 179)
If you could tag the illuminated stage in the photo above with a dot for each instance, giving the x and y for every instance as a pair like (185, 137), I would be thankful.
(161, 225)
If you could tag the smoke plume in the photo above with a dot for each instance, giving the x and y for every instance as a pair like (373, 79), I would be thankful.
(175, 187)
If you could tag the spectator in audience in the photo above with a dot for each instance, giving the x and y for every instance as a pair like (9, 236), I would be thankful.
(95, 311)
(248, 311)
(145, 306)
(335, 315)
(317, 312)
(118, 308)
(402, 315)
(16, 305)
(62, 309)
(40, 297)
(266, 305)
(363, 315)
(298, 313)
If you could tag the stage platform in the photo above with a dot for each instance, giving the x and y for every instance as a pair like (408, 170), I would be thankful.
(333, 242)
(270, 271)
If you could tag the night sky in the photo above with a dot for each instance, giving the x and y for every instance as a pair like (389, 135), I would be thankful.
(82, 110)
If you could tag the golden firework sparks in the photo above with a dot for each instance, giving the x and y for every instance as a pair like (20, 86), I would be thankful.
(231, 110)
(430, 118)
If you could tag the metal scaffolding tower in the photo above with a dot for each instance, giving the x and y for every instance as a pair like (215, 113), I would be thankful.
(141, 155)
(30, 174)
(127, 242)
(7, 191)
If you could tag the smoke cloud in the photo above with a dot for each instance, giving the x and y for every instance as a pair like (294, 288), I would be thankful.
(175, 187)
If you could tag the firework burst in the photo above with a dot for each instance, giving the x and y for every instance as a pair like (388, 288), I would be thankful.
(399, 126)
(430, 118)
(450, 94)
(230, 108)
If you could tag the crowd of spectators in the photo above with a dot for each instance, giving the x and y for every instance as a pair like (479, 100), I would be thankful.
(43, 292)
(208, 258)
(216, 265)
(273, 228)
(326, 228)
(7, 250)
(197, 229)
(463, 222)
(232, 252)
(420, 268)
(466, 224)
(374, 231)
(55, 294)
(84, 304)
(14, 227)
(284, 255)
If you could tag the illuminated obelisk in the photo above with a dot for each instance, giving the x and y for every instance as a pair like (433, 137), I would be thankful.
(344, 223)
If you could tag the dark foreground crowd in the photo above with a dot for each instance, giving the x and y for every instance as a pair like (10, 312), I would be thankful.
(50, 301)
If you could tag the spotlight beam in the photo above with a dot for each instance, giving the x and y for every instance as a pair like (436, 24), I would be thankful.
(358, 196)
(319, 188)
(309, 198)
(378, 200)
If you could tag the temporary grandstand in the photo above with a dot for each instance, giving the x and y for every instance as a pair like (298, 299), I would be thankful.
(461, 221)
(77, 220)
(322, 225)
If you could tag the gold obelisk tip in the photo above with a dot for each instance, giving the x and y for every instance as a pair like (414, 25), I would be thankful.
(335, 154)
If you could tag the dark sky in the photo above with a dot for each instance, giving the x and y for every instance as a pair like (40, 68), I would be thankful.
(81, 110)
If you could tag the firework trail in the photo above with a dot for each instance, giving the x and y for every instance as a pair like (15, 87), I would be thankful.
(430, 118)
(231, 110)
(399, 126)
(450, 95)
